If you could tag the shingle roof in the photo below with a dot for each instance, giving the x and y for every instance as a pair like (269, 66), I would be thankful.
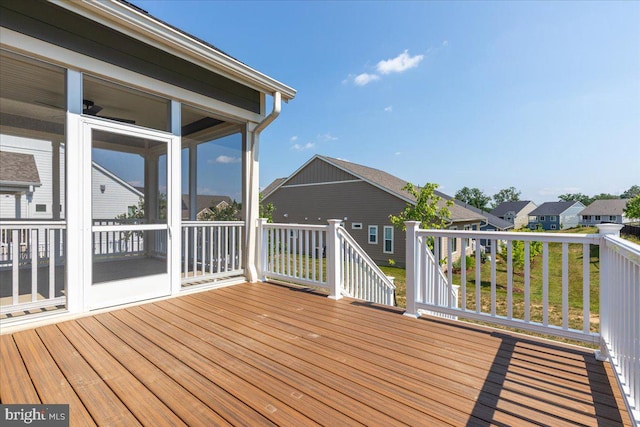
(505, 207)
(18, 169)
(606, 207)
(204, 201)
(271, 187)
(493, 220)
(394, 185)
(553, 208)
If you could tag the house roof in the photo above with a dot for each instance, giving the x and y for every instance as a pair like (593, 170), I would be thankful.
(505, 207)
(385, 182)
(491, 219)
(606, 207)
(204, 201)
(554, 208)
(272, 187)
(18, 169)
(129, 19)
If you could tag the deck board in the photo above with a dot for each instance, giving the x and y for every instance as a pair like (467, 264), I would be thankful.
(263, 354)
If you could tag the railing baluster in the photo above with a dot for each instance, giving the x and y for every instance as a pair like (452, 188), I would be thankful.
(494, 244)
(545, 284)
(527, 282)
(15, 264)
(586, 291)
(478, 277)
(32, 247)
(509, 280)
(565, 285)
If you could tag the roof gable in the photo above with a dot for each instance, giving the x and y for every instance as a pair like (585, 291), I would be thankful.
(554, 208)
(347, 171)
(506, 207)
(18, 169)
(606, 207)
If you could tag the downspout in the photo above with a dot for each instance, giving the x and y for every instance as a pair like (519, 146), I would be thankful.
(254, 188)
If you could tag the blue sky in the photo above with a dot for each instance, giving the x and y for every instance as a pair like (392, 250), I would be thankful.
(541, 96)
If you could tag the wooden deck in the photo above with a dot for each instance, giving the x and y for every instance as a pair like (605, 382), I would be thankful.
(262, 354)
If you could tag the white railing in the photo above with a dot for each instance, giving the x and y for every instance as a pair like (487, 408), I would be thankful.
(620, 315)
(32, 255)
(211, 250)
(294, 253)
(509, 301)
(361, 277)
(116, 243)
(324, 256)
(530, 284)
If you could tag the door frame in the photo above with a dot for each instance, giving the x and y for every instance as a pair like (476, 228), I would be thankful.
(129, 290)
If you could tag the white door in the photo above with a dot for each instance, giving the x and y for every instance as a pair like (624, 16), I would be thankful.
(127, 220)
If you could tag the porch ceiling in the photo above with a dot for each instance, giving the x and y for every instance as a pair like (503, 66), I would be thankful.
(261, 354)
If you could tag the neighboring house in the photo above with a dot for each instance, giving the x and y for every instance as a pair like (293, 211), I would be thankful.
(363, 197)
(604, 211)
(491, 223)
(555, 215)
(517, 213)
(204, 205)
(27, 183)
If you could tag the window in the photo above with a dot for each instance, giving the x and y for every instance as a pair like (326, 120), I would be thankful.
(586, 218)
(356, 226)
(41, 208)
(553, 227)
(541, 217)
(597, 217)
(373, 234)
(454, 242)
(467, 242)
(553, 218)
(613, 217)
(388, 239)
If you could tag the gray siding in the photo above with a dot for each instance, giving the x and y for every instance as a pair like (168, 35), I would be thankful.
(319, 171)
(359, 201)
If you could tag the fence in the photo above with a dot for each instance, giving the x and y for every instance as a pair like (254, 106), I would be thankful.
(545, 300)
(211, 250)
(32, 255)
(322, 256)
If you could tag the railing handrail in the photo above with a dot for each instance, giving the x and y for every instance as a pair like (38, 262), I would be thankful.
(211, 223)
(366, 258)
(533, 236)
(60, 224)
(309, 227)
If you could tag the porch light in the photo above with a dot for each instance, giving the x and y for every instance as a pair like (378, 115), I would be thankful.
(102, 188)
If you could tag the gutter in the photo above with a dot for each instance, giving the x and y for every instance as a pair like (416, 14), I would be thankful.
(277, 107)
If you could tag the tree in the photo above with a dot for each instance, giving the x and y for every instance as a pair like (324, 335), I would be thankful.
(266, 211)
(632, 192)
(605, 196)
(426, 209)
(577, 197)
(632, 209)
(506, 195)
(474, 197)
(517, 250)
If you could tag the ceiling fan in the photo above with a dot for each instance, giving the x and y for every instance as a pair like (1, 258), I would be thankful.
(92, 109)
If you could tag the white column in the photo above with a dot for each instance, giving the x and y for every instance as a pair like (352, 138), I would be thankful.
(251, 184)
(174, 198)
(193, 182)
(78, 245)
(411, 268)
(334, 273)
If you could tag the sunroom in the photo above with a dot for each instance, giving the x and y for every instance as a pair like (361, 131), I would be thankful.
(112, 124)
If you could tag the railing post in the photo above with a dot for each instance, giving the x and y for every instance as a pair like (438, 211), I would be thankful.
(605, 321)
(262, 246)
(334, 273)
(411, 266)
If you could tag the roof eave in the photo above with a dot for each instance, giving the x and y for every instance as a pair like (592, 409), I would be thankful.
(128, 20)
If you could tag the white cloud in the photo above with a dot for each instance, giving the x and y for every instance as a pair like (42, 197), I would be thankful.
(388, 109)
(298, 147)
(445, 43)
(397, 153)
(293, 138)
(400, 63)
(226, 159)
(326, 137)
(365, 78)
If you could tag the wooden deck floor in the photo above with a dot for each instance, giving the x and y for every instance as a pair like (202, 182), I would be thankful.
(261, 354)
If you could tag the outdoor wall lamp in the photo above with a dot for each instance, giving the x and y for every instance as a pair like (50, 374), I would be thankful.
(102, 188)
